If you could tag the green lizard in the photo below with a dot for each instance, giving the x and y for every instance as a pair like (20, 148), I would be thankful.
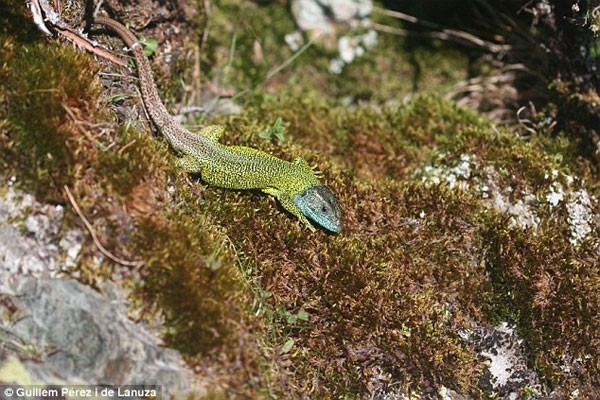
(294, 184)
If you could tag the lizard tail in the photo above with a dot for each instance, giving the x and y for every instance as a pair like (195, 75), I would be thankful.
(177, 137)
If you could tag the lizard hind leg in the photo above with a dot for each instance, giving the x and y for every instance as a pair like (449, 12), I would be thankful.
(189, 164)
(213, 132)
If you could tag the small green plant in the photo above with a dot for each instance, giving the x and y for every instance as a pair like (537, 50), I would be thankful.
(150, 46)
(290, 317)
(116, 98)
(277, 130)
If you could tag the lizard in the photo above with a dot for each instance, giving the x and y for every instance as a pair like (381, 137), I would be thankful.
(295, 184)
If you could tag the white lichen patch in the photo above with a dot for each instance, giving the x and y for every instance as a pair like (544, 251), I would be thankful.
(555, 194)
(467, 175)
(31, 241)
(351, 47)
(458, 175)
(503, 358)
(502, 199)
(294, 40)
(577, 202)
(580, 215)
(506, 360)
(558, 190)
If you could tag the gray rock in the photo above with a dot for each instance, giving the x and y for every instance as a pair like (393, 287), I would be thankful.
(31, 241)
(85, 336)
(508, 372)
(321, 15)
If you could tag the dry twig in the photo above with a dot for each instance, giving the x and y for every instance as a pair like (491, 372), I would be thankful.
(90, 228)
(439, 32)
(89, 46)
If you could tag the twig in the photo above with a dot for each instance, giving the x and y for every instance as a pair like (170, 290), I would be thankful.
(78, 124)
(506, 74)
(89, 46)
(286, 63)
(103, 250)
(441, 32)
(97, 8)
(122, 149)
(192, 109)
(45, 18)
(524, 122)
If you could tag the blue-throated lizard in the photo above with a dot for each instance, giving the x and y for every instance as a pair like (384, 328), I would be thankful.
(295, 184)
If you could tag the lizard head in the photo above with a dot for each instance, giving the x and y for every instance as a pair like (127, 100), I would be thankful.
(320, 205)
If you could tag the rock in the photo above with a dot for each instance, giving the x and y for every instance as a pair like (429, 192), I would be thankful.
(59, 331)
(322, 15)
(84, 336)
(508, 372)
(324, 18)
(30, 239)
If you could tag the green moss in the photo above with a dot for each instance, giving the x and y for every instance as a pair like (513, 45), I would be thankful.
(256, 42)
(192, 278)
(50, 87)
(257, 46)
(15, 30)
(135, 158)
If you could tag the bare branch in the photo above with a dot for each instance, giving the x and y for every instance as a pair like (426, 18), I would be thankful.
(90, 228)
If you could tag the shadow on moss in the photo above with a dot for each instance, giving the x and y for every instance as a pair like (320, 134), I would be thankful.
(191, 275)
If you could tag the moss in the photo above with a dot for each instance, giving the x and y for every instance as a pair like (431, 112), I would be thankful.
(405, 276)
(50, 88)
(408, 272)
(575, 110)
(136, 157)
(15, 29)
(393, 71)
(379, 294)
(256, 43)
(552, 291)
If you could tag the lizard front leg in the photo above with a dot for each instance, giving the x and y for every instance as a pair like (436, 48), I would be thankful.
(289, 205)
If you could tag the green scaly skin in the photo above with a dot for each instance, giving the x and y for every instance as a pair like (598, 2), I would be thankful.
(232, 167)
